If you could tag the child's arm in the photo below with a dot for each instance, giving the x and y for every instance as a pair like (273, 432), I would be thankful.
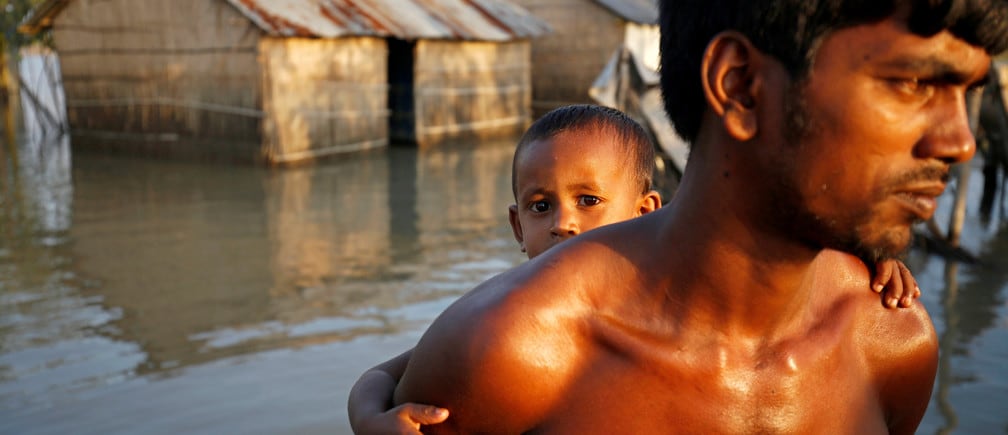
(893, 280)
(371, 399)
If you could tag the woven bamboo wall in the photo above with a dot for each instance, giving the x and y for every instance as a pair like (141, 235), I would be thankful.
(471, 90)
(162, 78)
(566, 62)
(323, 96)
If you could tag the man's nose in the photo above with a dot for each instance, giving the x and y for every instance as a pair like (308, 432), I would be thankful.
(949, 137)
(564, 224)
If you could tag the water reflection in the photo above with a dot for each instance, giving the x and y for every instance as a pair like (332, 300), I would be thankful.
(166, 265)
(967, 305)
(973, 305)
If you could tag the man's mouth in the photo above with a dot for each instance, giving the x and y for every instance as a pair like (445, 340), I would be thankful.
(921, 199)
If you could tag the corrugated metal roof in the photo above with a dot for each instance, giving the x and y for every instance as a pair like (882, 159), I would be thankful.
(489, 20)
(638, 11)
(486, 20)
(41, 16)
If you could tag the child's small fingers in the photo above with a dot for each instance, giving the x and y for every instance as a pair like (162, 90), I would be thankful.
(891, 302)
(917, 292)
(883, 273)
(422, 414)
(909, 286)
(894, 290)
(909, 282)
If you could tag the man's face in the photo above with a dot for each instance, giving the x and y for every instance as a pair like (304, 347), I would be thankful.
(872, 132)
(568, 184)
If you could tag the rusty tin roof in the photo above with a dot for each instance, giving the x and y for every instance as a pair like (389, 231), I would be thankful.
(638, 11)
(487, 20)
(491, 20)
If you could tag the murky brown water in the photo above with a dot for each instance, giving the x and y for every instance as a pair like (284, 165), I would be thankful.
(161, 297)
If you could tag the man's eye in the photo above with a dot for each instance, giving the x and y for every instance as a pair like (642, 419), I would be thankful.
(589, 200)
(913, 86)
(539, 207)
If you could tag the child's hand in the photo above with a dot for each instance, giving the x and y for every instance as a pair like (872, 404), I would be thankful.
(403, 419)
(895, 283)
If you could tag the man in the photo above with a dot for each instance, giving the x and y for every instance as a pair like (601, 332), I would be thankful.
(817, 127)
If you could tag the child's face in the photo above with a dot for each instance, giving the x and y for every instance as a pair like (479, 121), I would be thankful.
(571, 183)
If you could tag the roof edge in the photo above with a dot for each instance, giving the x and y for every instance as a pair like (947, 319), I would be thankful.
(41, 17)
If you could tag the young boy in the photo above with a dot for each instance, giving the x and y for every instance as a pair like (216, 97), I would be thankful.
(577, 168)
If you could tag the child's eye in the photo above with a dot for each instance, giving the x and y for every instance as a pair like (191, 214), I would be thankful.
(589, 200)
(539, 207)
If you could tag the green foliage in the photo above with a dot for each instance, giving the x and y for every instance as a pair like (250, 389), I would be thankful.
(12, 13)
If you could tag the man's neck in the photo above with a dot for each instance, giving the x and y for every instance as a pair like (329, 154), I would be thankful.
(744, 278)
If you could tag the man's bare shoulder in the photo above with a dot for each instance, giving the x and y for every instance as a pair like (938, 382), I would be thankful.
(848, 279)
(512, 343)
(899, 346)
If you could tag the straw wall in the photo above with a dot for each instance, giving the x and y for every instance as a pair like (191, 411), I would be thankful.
(162, 78)
(323, 96)
(471, 90)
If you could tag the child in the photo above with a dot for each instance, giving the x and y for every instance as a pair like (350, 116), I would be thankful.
(577, 168)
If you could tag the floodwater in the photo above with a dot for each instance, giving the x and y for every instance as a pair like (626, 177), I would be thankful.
(162, 297)
(141, 296)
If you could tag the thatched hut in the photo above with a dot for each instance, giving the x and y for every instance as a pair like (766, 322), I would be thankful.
(585, 34)
(275, 81)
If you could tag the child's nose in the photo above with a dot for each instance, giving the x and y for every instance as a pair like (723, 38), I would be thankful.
(564, 224)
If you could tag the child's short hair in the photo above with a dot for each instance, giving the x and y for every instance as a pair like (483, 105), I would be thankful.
(603, 120)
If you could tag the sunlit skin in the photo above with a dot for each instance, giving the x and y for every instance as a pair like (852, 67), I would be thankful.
(571, 183)
(721, 313)
(568, 184)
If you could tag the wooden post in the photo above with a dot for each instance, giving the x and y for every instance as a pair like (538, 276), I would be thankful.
(5, 101)
(962, 172)
(947, 343)
(622, 78)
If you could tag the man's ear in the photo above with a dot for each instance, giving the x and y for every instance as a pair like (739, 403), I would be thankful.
(516, 227)
(730, 82)
(648, 203)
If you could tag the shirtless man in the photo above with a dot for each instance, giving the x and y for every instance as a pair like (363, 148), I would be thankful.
(820, 134)
(577, 168)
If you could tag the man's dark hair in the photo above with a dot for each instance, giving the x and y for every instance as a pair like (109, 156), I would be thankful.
(600, 120)
(792, 30)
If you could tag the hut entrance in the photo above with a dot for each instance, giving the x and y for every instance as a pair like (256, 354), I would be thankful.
(402, 122)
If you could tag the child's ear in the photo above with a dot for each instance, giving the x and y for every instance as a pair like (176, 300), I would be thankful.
(516, 227)
(648, 203)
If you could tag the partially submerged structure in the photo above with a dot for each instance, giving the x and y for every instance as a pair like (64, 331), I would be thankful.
(585, 34)
(280, 81)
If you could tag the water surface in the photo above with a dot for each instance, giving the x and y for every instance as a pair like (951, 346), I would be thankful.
(141, 296)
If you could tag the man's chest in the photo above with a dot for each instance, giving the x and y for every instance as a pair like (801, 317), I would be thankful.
(717, 393)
